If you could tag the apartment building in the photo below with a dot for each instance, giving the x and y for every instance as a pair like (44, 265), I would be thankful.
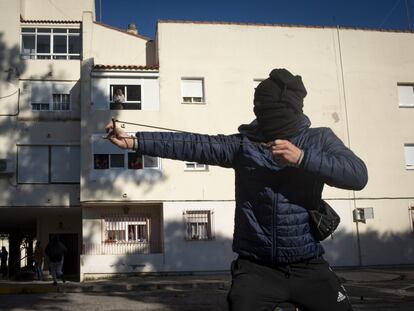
(119, 212)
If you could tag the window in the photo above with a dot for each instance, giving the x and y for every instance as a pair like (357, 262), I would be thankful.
(192, 91)
(411, 216)
(125, 97)
(33, 164)
(48, 96)
(126, 234)
(65, 164)
(61, 102)
(406, 95)
(194, 166)
(126, 229)
(116, 161)
(48, 164)
(51, 43)
(198, 225)
(409, 156)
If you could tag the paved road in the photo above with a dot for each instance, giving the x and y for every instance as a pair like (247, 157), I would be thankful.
(370, 289)
(159, 300)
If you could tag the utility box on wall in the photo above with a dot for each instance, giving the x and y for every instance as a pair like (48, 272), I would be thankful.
(362, 214)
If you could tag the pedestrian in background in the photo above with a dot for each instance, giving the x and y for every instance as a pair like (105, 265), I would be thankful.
(38, 260)
(3, 262)
(55, 251)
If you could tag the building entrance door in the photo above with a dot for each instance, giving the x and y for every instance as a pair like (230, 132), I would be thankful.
(71, 261)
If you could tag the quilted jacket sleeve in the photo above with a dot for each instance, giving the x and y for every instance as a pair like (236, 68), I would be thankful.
(336, 164)
(219, 150)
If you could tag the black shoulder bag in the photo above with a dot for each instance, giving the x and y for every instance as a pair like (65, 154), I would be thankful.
(323, 220)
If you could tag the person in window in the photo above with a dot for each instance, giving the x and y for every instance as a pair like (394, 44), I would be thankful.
(119, 98)
(281, 166)
(135, 163)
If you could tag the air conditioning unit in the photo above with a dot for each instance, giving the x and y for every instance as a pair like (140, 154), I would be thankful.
(6, 166)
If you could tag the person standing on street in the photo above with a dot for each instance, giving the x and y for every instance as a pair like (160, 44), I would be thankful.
(55, 250)
(38, 260)
(281, 165)
(3, 262)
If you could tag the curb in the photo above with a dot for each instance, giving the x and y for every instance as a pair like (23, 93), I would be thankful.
(67, 288)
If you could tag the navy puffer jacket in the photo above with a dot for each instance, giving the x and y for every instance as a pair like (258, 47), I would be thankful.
(271, 220)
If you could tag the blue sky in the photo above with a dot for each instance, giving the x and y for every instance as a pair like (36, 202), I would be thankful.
(388, 14)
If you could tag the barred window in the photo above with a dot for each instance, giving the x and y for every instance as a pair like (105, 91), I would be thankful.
(61, 101)
(198, 225)
(411, 215)
(121, 230)
(122, 235)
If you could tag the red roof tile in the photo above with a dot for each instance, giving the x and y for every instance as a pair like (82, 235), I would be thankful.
(126, 67)
(44, 21)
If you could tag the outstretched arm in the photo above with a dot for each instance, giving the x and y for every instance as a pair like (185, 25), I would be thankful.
(218, 150)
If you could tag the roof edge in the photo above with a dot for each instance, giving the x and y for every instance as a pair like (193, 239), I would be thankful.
(126, 67)
(280, 25)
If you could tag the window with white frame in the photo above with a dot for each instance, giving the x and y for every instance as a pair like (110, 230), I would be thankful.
(192, 91)
(409, 156)
(194, 166)
(106, 156)
(198, 224)
(48, 164)
(411, 216)
(125, 96)
(129, 229)
(50, 43)
(47, 96)
(406, 95)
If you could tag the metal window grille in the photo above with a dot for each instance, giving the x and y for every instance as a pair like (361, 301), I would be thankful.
(61, 101)
(198, 225)
(122, 235)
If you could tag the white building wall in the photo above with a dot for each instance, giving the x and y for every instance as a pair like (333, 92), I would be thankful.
(114, 47)
(55, 9)
(200, 255)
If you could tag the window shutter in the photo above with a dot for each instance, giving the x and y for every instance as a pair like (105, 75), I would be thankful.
(406, 95)
(192, 88)
(409, 156)
(41, 93)
(62, 88)
(65, 164)
(33, 164)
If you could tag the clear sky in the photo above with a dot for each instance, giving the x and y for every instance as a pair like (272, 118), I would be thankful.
(388, 14)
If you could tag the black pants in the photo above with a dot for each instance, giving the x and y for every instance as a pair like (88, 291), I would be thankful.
(309, 285)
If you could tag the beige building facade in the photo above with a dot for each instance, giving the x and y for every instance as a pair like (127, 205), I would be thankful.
(65, 76)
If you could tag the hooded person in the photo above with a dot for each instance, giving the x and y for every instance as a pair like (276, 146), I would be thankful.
(281, 166)
(56, 250)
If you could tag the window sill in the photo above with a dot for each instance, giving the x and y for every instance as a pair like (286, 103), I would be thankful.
(405, 106)
(196, 170)
(199, 240)
(200, 103)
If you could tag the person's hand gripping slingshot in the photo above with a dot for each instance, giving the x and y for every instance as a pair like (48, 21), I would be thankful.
(119, 137)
